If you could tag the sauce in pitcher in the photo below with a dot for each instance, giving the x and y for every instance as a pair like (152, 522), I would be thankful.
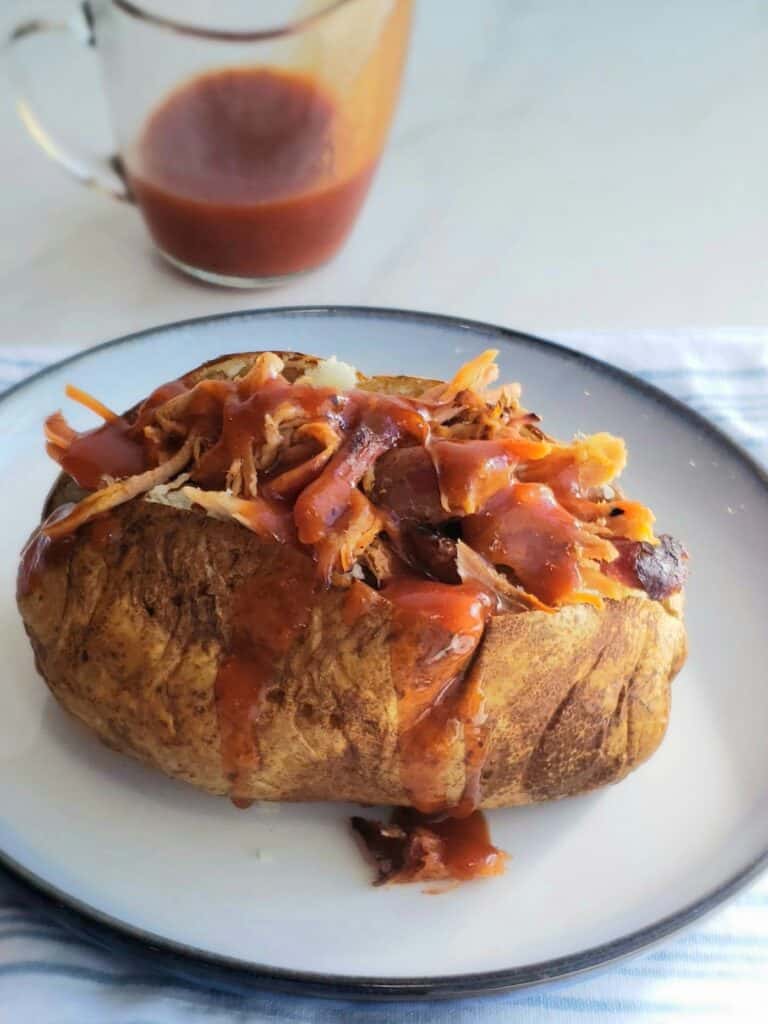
(237, 173)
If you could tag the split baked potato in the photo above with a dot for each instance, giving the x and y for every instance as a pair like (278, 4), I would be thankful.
(279, 580)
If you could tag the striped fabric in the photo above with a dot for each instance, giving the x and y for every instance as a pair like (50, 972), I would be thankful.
(716, 972)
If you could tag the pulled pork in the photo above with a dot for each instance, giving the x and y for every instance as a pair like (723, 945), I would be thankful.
(454, 483)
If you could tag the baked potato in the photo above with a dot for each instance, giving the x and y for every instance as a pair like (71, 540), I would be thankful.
(276, 579)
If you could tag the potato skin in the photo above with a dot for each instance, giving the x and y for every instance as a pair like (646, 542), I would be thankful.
(128, 636)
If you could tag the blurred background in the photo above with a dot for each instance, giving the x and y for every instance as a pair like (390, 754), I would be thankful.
(553, 166)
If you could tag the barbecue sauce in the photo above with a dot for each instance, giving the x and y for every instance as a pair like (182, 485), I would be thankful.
(238, 172)
(270, 611)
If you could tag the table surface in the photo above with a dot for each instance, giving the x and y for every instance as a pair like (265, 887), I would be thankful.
(552, 166)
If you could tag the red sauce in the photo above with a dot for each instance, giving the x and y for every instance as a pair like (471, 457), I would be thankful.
(436, 629)
(232, 418)
(161, 395)
(471, 711)
(286, 480)
(467, 851)
(270, 611)
(460, 609)
(470, 472)
(414, 847)
(237, 419)
(358, 601)
(332, 507)
(238, 172)
(108, 450)
(525, 529)
(104, 531)
(41, 551)
(321, 504)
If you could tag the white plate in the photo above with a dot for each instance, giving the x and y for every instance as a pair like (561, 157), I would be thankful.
(281, 894)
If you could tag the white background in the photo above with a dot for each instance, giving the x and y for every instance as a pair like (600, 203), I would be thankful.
(554, 165)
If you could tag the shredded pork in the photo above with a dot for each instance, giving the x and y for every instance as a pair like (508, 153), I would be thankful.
(375, 483)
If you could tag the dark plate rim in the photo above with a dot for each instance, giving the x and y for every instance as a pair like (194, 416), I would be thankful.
(196, 967)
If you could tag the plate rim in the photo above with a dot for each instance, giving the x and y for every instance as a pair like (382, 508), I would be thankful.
(195, 966)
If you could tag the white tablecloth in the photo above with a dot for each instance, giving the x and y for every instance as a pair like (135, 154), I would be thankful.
(716, 972)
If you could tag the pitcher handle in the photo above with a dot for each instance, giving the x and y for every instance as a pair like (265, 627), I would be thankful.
(103, 175)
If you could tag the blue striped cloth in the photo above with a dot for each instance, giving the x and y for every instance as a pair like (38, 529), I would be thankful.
(716, 972)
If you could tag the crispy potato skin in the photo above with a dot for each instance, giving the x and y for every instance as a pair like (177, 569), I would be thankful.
(128, 636)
